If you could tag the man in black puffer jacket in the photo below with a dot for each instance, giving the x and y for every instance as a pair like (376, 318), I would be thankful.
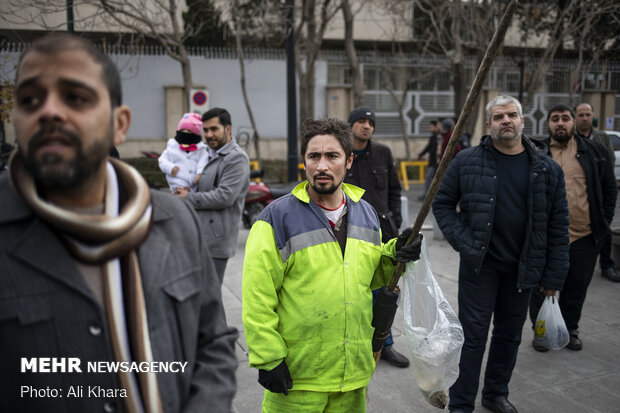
(502, 206)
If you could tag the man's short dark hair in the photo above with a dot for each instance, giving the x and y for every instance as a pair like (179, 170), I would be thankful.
(222, 115)
(434, 122)
(337, 128)
(560, 108)
(58, 42)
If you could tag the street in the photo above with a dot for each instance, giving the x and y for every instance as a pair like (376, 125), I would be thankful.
(556, 381)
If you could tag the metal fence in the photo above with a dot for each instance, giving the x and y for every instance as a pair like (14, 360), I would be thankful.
(425, 79)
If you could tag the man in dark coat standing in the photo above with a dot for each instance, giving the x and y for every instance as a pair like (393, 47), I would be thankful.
(511, 230)
(591, 194)
(95, 268)
(431, 150)
(373, 170)
(584, 118)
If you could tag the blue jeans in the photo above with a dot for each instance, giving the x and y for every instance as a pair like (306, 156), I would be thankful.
(481, 296)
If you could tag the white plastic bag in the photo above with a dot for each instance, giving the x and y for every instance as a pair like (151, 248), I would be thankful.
(434, 333)
(551, 329)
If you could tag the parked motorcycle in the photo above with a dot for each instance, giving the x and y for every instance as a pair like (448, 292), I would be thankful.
(260, 195)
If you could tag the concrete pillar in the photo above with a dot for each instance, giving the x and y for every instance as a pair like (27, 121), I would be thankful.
(603, 105)
(338, 102)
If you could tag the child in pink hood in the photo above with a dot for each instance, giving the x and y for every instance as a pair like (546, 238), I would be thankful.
(186, 155)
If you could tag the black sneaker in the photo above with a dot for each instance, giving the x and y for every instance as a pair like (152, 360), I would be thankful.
(574, 343)
(499, 405)
(610, 274)
(394, 357)
(539, 347)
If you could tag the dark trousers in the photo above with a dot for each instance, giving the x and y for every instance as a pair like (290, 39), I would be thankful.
(220, 268)
(606, 261)
(582, 259)
(428, 178)
(488, 293)
(389, 340)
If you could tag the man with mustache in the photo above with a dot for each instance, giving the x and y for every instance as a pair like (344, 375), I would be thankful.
(373, 170)
(311, 260)
(591, 194)
(502, 206)
(584, 118)
(222, 188)
(89, 269)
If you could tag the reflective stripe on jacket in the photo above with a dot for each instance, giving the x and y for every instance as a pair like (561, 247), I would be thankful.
(305, 303)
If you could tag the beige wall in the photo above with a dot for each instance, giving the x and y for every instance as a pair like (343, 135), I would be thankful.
(339, 102)
(376, 20)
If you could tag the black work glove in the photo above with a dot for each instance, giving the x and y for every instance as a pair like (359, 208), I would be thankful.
(411, 252)
(277, 380)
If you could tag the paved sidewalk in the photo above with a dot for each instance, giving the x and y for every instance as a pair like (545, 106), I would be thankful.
(556, 381)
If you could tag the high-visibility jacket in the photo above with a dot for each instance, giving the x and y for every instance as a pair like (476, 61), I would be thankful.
(303, 302)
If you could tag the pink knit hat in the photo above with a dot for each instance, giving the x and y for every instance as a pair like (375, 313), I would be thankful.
(191, 122)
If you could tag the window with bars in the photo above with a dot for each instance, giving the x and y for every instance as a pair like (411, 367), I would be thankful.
(338, 75)
(388, 126)
(557, 82)
(376, 78)
(615, 83)
(382, 102)
(513, 81)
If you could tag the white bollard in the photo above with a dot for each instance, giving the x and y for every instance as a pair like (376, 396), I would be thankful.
(404, 211)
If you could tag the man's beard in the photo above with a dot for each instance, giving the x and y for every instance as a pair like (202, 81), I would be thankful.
(52, 171)
(325, 189)
(563, 138)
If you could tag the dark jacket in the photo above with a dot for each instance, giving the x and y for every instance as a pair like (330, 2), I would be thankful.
(600, 183)
(48, 310)
(601, 137)
(431, 149)
(471, 183)
(375, 172)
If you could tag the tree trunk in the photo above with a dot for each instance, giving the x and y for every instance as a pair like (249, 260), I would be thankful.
(459, 83)
(537, 77)
(403, 126)
(400, 103)
(555, 41)
(187, 80)
(244, 92)
(354, 65)
(306, 103)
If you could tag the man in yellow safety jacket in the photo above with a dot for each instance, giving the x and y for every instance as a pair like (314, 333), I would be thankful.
(311, 262)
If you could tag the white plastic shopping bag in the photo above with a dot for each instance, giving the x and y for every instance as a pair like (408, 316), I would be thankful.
(551, 329)
(434, 333)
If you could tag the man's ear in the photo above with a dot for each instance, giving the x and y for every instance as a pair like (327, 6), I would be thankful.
(228, 130)
(350, 161)
(122, 121)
